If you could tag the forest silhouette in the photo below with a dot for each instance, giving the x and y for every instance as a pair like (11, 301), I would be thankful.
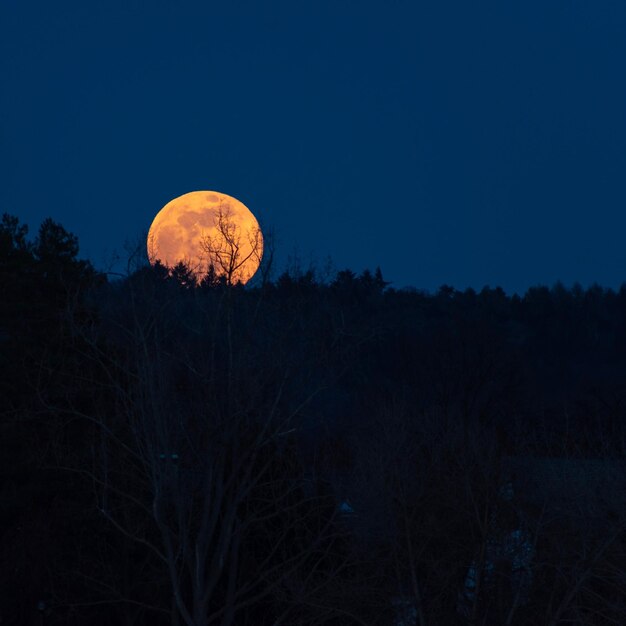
(305, 451)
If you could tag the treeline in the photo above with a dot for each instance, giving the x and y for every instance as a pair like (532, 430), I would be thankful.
(304, 451)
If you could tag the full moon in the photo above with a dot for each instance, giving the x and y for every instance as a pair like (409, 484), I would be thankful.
(210, 232)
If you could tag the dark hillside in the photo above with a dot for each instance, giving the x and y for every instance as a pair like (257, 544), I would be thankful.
(305, 452)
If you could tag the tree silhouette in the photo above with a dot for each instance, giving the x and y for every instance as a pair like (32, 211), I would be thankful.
(305, 451)
(230, 250)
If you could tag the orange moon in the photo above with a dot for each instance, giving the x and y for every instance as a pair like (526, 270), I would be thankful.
(204, 229)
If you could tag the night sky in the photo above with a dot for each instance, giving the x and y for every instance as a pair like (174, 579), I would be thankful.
(467, 143)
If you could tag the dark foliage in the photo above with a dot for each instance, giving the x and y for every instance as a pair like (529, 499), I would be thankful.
(305, 452)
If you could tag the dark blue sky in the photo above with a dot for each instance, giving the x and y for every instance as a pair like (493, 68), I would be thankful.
(467, 143)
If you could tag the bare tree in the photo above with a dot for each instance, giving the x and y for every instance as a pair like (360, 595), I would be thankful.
(195, 412)
(232, 250)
